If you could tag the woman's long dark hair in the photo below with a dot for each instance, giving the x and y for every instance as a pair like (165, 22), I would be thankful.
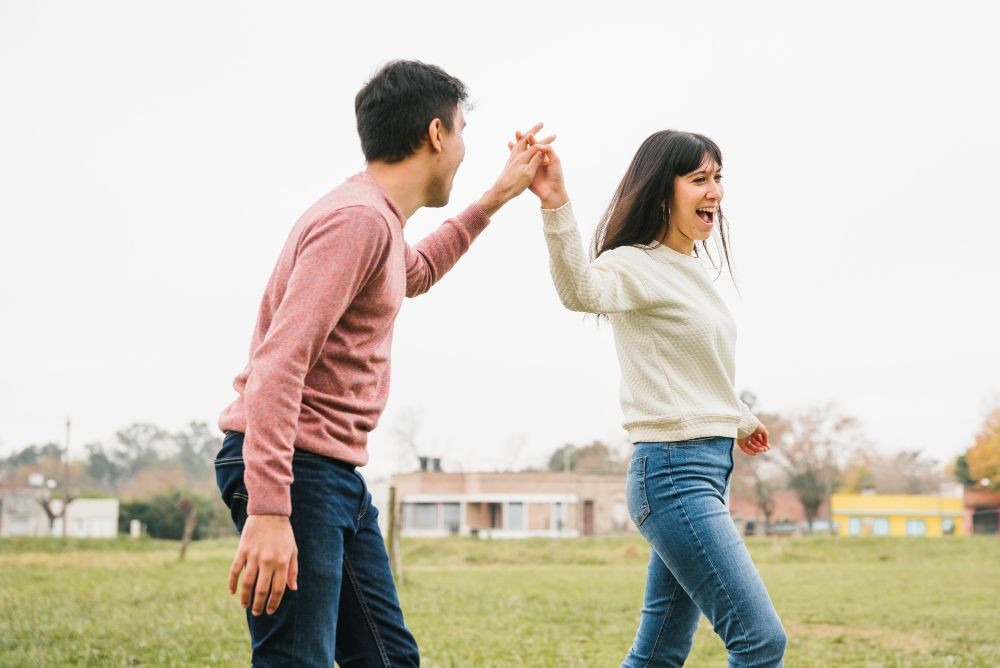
(636, 214)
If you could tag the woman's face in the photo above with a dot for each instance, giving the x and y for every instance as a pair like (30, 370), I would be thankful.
(694, 208)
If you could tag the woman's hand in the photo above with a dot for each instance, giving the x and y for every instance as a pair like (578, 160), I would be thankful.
(755, 443)
(548, 183)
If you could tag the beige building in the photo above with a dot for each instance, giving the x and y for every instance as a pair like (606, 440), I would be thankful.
(511, 504)
(21, 514)
(92, 518)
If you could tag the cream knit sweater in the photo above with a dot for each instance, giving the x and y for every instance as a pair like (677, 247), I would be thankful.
(674, 335)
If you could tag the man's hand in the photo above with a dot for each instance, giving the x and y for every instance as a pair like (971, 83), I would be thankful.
(267, 550)
(755, 443)
(517, 174)
(548, 184)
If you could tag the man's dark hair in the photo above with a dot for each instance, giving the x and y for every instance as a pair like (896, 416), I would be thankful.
(397, 104)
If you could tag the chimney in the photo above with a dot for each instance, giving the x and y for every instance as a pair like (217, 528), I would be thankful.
(436, 465)
(423, 463)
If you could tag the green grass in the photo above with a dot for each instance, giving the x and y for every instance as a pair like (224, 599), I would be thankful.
(844, 602)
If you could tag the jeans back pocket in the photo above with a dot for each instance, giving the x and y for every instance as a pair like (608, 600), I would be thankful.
(635, 490)
(229, 478)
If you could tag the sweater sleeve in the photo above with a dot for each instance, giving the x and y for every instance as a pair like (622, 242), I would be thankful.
(438, 252)
(334, 259)
(748, 422)
(605, 285)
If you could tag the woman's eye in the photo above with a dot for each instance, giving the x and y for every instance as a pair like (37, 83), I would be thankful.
(699, 179)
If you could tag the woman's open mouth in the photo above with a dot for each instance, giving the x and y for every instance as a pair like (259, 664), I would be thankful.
(707, 215)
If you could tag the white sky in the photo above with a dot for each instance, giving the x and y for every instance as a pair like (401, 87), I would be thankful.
(154, 157)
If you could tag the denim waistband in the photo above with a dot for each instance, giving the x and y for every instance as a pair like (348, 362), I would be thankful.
(722, 440)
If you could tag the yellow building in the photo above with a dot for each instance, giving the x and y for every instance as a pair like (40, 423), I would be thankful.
(897, 515)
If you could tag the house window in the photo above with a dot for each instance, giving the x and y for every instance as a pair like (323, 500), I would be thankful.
(451, 515)
(916, 528)
(948, 526)
(515, 516)
(880, 526)
(425, 516)
(854, 526)
(558, 516)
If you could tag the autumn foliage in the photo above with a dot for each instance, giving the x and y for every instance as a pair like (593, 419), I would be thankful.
(983, 458)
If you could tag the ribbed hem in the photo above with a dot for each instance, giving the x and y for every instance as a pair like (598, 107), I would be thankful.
(557, 221)
(269, 500)
(743, 432)
(683, 430)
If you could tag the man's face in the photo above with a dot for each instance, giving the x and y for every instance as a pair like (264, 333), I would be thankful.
(447, 160)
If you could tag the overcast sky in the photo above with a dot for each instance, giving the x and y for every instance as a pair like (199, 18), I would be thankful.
(153, 158)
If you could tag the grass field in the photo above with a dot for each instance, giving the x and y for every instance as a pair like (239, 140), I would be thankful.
(846, 602)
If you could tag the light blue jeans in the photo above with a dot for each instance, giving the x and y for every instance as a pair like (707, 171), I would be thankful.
(677, 496)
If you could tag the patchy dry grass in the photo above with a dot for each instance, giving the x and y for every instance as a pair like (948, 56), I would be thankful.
(857, 602)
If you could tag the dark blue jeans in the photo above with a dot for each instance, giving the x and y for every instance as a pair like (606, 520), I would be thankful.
(676, 494)
(346, 608)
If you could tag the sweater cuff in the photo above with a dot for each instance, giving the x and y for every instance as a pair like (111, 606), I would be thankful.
(556, 221)
(474, 220)
(269, 500)
(748, 422)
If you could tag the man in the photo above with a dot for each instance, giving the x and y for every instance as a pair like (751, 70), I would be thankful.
(317, 584)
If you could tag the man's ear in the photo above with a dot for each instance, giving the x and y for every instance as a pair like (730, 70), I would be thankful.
(434, 135)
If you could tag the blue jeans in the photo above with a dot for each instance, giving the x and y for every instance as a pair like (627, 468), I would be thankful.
(677, 496)
(346, 608)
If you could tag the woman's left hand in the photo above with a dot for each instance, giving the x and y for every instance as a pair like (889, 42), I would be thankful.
(755, 443)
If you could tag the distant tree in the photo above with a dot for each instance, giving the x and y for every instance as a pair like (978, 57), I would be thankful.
(596, 457)
(858, 475)
(102, 469)
(810, 486)
(32, 455)
(903, 472)
(757, 477)
(908, 472)
(46, 460)
(562, 458)
(165, 515)
(196, 449)
(960, 470)
(407, 435)
(140, 445)
(983, 457)
(809, 446)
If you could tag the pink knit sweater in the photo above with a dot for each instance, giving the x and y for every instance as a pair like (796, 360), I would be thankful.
(318, 374)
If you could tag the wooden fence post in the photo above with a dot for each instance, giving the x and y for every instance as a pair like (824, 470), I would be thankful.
(395, 560)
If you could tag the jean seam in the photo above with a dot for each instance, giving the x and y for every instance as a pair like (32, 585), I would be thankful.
(362, 506)
(708, 557)
(367, 612)
(640, 480)
(666, 615)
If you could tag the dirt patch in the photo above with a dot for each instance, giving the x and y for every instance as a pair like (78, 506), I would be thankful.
(903, 641)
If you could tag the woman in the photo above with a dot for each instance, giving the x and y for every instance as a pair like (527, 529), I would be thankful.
(675, 341)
